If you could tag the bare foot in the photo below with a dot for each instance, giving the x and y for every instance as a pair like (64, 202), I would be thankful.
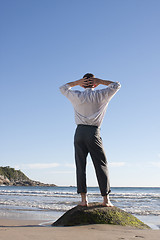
(84, 200)
(109, 204)
(106, 201)
(83, 204)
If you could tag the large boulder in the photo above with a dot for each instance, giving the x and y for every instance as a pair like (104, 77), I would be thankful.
(97, 214)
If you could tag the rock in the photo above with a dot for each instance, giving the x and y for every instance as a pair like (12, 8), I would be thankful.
(4, 180)
(97, 214)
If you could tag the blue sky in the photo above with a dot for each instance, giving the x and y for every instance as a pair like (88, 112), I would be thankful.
(44, 44)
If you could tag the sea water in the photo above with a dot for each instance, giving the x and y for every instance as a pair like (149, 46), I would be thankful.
(49, 203)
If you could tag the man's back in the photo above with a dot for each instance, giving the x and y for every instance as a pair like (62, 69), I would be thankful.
(90, 105)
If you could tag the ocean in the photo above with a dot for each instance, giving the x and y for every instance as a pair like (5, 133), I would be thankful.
(49, 203)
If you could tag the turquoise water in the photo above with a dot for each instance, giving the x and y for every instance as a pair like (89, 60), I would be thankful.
(49, 203)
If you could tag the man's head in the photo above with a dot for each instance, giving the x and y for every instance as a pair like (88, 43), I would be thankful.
(87, 76)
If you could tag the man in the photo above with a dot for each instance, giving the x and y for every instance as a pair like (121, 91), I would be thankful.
(90, 106)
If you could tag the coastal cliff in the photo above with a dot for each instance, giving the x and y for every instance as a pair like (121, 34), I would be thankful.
(11, 177)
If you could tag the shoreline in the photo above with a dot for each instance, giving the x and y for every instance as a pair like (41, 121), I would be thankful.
(34, 209)
(34, 229)
(52, 216)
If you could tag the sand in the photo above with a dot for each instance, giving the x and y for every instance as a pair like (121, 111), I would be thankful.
(28, 230)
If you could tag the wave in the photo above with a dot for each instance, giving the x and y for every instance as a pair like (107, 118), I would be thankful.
(64, 206)
(38, 193)
(140, 202)
(72, 194)
(32, 206)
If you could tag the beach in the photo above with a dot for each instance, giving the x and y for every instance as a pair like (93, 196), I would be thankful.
(49, 203)
(28, 212)
(24, 230)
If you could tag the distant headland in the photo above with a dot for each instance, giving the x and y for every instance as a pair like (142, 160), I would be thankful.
(11, 177)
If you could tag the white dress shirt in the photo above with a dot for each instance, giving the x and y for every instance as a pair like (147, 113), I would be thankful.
(90, 105)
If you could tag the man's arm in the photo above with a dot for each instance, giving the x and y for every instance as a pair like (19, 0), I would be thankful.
(94, 81)
(112, 88)
(65, 89)
(75, 83)
(98, 81)
(81, 82)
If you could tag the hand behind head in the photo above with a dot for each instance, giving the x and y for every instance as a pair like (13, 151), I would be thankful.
(88, 83)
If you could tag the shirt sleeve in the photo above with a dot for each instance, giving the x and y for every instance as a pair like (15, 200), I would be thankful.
(113, 88)
(68, 93)
(64, 89)
(115, 85)
(108, 92)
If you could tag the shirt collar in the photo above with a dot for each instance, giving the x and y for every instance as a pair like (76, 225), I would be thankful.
(89, 89)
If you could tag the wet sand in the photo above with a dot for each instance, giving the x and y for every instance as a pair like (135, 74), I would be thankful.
(22, 230)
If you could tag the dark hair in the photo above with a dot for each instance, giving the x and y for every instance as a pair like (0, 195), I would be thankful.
(88, 75)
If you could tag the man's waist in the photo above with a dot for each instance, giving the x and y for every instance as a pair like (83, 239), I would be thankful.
(86, 125)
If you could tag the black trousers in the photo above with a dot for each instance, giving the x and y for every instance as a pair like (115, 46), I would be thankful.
(87, 140)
